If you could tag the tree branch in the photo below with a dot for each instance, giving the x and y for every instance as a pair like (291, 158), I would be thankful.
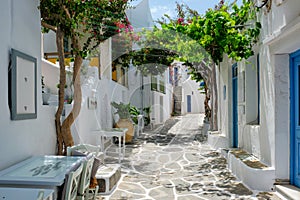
(45, 25)
(67, 12)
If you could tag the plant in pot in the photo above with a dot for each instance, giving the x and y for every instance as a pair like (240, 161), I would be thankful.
(123, 110)
(134, 114)
(147, 111)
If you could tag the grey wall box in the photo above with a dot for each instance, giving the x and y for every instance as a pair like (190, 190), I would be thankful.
(23, 86)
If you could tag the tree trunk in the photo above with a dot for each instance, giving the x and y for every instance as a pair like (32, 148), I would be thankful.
(63, 129)
(206, 104)
(214, 99)
(61, 91)
(209, 75)
(66, 125)
(206, 72)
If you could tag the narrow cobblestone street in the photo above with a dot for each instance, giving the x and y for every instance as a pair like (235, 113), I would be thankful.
(174, 162)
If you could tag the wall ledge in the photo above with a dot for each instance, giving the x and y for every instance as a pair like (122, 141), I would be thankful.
(50, 63)
(217, 140)
(282, 32)
(259, 177)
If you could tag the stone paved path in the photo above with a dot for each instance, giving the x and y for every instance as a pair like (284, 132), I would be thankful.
(175, 163)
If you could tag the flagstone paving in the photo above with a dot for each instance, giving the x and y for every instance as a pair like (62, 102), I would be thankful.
(174, 162)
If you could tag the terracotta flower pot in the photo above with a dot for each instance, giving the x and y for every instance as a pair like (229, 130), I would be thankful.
(126, 123)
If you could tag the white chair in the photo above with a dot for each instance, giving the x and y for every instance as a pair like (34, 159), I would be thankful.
(73, 184)
(84, 190)
(83, 148)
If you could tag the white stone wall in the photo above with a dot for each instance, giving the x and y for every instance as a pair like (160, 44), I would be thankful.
(168, 98)
(50, 72)
(106, 91)
(248, 125)
(20, 22)
(281, 39)
(282, 119)
(135, 83)
(161, 104)
(191, 87)
(49, 42)
(225, 93)
(267, 104)
(92, 119)
(268, 140)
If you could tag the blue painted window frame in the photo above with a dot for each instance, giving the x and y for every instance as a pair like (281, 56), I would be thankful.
(258, 87)
(292, 115)
(234, 130)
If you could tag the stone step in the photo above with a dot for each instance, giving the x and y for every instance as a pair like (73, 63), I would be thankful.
(107, 177)
(290, 192)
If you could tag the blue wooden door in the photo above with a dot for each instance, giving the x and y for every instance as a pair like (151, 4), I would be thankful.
(189, 103)
(295, 119)
(234, 106)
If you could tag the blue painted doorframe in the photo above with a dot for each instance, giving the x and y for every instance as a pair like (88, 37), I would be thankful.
(294, 118)
(234, 106)
(189, 103)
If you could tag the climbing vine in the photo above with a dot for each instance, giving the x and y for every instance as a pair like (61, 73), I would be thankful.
(86, 23)
(203, 40)
(230, 30)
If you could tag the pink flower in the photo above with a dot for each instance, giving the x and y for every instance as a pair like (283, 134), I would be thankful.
(180, 20)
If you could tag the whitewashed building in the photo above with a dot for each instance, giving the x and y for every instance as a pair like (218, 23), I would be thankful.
(187, 91)
(151, 91)
(107, 83)
(20, 139)
(259, 101)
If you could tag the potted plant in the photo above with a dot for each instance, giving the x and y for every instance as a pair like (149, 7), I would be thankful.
(134, 113)
(147, 111)
(123, 110)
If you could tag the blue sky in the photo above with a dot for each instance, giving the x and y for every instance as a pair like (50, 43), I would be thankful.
(161, 7)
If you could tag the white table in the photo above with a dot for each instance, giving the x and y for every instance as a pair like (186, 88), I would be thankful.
(9, 193)
(40, 172)
(113, 132)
